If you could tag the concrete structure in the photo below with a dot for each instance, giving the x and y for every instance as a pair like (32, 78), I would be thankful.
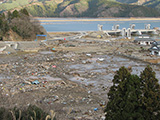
(100, 27)
(144, 40)
(132, 26)
(8, 47)
(123, 32)
(115, 27)
(148, 26)
(131, 31)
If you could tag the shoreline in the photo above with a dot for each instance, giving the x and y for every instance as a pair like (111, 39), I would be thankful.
(50, 19)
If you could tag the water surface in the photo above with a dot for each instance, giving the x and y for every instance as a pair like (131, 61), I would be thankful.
(71, 26)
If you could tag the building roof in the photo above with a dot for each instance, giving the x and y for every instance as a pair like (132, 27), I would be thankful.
(157, 42)
(143, 39)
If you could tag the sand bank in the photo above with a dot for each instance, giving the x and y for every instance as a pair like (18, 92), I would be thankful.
(96, 19)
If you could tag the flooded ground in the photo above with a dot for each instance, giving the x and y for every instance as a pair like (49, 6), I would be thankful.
(99, 70)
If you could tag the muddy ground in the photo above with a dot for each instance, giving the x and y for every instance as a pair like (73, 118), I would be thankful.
(72, 79)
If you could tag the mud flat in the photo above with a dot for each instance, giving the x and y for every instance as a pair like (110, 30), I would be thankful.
(73, 78)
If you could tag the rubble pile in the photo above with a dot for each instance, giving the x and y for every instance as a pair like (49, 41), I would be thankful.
(97, 35)
(70, 77)
(39, 78)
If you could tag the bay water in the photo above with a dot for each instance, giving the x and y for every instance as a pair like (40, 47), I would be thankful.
(88, 24)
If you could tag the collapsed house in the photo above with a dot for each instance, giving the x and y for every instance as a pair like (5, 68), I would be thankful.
(155, 48)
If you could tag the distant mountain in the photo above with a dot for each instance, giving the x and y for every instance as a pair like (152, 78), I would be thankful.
(153, 4)
(138, 2)
(80, 8)
(90, 8)
(127, 1)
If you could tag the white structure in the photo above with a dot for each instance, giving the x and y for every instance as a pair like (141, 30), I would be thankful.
(148, 26)
(2, 49)
(124, 32)
(13, 45)
(16, 46)
(100, 27)
(132, 26)
(129, 33)
(115, 27)
(139, 32)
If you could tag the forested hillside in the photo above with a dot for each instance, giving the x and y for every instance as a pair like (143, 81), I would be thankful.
(153, 4)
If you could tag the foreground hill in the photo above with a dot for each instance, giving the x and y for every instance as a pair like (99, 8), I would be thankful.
(18, 25)
(80, 8)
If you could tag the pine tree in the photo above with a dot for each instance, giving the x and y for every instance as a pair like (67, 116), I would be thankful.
(3, 16)
(24, 11)
(9, 16)
(134, 98)
(150, 97)
(15, 14)
(123, 97)
(4, 27)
